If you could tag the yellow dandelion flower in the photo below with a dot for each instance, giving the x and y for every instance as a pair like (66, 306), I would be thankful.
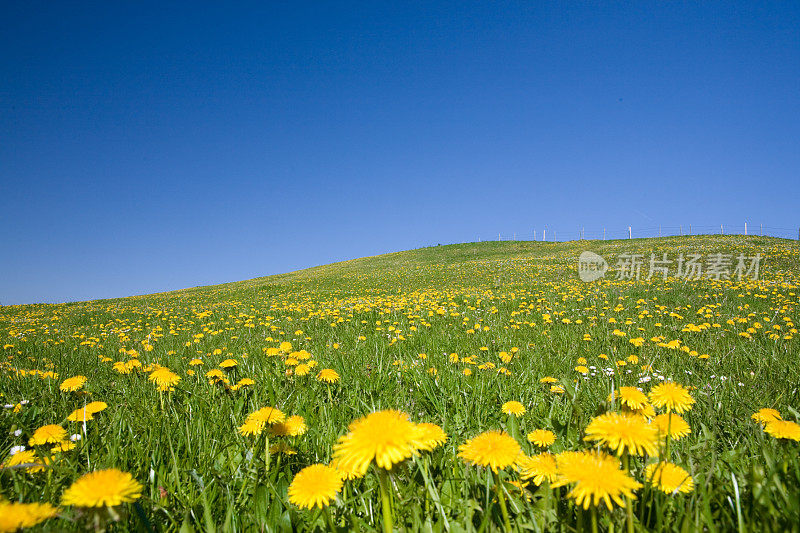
(228, 363)
(63, 446)
(494, 449)
(387, 437)
(251, 427)
(596, 477)
(647, 411)
(783, 429)
(293, 426)
(269, 415)
(766, 414)
(557, 389)
(102, 488)
(669, 478)
(328, 375)
(630, 397)
(672, 397)
(80, 415)
(548, 379)
(539, 468)
(675, 424)
(215, 373)
(15, 516)
(196, 362)
(541, 438)
(302, 369)
(121, 368)
(96, 407)
(346, 474)
(164, 378)
(623, 432)
(72, 384)
(49, 434)
(315, 486)
(257, 420)
(513, 408)
(25, 460)
(431, 436)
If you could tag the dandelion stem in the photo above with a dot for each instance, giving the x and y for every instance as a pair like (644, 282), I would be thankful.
(628, 501)
(386, 503)
(266, 455)
(329, 520)
(513, 426)
(502, 501)
(548, 499)
(594, 519)
(669, 429)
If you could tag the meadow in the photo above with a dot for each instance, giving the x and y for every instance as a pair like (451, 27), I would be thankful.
(469, 387)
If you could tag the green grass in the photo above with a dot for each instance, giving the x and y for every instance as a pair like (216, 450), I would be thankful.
(198, 473)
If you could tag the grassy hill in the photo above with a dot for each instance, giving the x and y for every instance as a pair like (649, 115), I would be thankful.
(448, 335)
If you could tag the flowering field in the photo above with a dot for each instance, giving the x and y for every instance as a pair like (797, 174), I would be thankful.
(456, 388)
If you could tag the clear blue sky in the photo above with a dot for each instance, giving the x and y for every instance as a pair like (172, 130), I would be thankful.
(149, 147)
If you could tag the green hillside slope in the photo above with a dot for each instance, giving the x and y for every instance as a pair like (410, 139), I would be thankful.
(189, 385)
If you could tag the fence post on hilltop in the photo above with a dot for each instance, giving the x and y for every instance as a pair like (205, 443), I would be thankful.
(604, 233)
(498, 238)
(544, 233)
(745, 228)
(761, 229)
(721, 230)
(534, 234)
(681, 226)
(515, 236)
(690, 229)
(630, 235)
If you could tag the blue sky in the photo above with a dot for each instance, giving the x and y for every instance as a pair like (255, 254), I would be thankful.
(148, 147)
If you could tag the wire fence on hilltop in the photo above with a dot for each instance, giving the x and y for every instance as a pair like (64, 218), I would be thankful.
(562, 234)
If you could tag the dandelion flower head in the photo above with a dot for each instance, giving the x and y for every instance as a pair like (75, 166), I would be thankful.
(102, 488)
(494, 449)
